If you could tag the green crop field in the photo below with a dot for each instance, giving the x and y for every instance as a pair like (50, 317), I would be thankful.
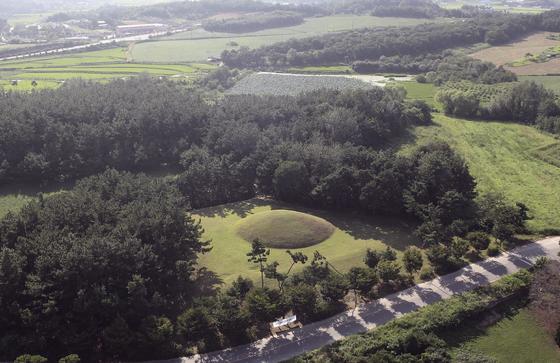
(51, 71)
(504, 157)
(513, 339)
(345, 248)
(199, 44)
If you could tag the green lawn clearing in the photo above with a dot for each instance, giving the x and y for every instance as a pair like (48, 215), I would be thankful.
(345, 248)
(513, 339)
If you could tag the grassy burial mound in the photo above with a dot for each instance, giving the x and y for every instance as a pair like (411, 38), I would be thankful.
(285, 229)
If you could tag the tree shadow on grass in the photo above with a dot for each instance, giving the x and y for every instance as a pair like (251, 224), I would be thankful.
(206, 282)
(241, 209)
(395, 232)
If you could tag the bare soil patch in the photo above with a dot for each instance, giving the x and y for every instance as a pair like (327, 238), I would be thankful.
(534, 44)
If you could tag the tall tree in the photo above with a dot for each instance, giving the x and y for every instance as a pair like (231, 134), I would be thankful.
(259, 255)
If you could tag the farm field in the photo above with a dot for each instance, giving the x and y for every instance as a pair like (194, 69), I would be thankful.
(345, 248)
(516, 338)
(513, 56)
(504, 157)
(199, 44)
(100, 65)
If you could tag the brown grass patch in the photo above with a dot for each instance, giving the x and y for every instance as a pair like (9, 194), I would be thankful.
(534, 44)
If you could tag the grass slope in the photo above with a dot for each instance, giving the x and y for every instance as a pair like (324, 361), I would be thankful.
(514, 339)
(285, 229)
(506, 158)
(346, 247)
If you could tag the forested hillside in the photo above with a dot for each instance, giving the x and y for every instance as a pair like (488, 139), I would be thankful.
(110, 265)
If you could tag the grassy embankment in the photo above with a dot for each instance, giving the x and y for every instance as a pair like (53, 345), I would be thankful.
(516, 338)
(514, 159)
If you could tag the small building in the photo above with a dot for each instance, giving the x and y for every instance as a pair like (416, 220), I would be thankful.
(285, 324)
(215, 60)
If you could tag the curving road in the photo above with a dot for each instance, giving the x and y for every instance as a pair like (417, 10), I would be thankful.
(379, 312)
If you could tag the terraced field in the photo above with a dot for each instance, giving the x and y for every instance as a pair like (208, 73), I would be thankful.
(95, 65)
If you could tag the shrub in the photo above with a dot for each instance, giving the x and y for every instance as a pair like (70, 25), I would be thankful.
(479, 240)
(28, 358)
(427, 273)
(71, 358)
(493, 250)
(421, 78)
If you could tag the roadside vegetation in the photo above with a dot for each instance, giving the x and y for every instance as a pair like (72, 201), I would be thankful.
(420, 335)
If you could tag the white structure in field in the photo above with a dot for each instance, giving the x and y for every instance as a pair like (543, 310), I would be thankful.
(137, 29)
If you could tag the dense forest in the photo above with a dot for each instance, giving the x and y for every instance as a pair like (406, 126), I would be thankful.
(372, 43)
(110, 265)
(254, 22)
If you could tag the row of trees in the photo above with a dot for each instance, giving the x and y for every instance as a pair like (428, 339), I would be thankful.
(254, 22)
(371, 44)
(526, 102)
(240, 312)
(439, 68)
(188, 10)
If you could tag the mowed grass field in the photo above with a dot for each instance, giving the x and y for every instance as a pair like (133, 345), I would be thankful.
(199, 44)
(345, 248)
(102, 65)
(513, 56)
(514, 339)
